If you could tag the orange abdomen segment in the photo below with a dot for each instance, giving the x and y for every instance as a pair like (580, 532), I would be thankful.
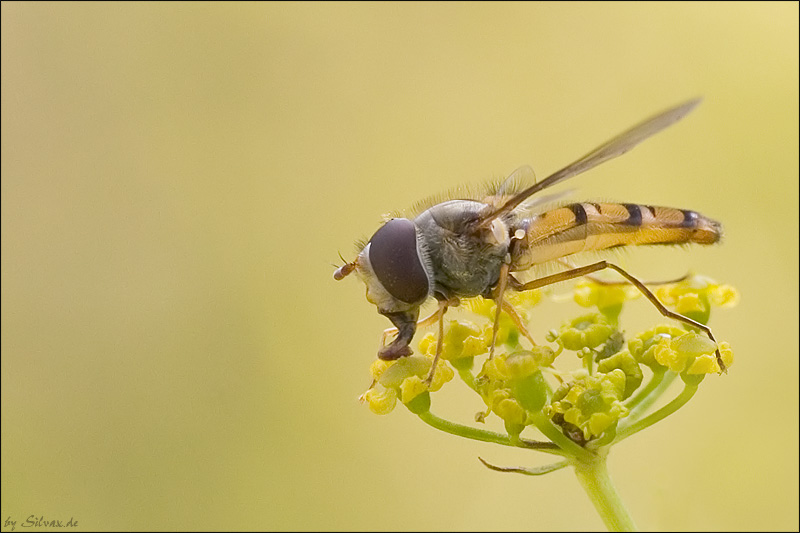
(583, 227)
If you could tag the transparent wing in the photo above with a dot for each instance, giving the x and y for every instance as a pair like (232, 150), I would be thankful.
(520, 179)
(611, 149)
(498, 193)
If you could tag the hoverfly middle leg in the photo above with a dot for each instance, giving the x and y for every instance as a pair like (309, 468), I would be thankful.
(518, 322)
(600, 265)
(439, 314)
(498, 300)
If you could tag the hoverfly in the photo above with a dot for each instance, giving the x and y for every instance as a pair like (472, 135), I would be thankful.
(466, 247)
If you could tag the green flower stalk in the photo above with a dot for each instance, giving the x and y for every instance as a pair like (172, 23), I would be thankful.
(579, 414)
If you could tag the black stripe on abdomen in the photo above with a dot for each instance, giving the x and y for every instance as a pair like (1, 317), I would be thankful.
(580, 214)
(634, 215)
(689, 218)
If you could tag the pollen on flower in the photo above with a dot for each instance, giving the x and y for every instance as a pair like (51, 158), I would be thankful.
(463, 339)
(405, 379)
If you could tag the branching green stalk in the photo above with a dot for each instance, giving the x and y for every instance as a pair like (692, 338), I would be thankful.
(688, 391)
(550, 431)
(487, 436)
(644, 392)
(648, 399)
(467, 377)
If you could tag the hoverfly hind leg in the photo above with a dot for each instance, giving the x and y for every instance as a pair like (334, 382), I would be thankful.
(608, 283)
(600, 265)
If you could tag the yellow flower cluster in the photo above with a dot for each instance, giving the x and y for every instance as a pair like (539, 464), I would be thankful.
(587, 331)
(403, 379)
(461, 339)
(511, 385)
(607, 298)
(592, 403)
(679, 350)
(694, 296)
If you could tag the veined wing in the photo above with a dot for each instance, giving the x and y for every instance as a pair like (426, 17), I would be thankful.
(520, 179)
(498, 193)
(611, 149)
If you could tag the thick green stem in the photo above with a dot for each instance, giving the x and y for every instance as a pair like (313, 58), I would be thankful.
(593, 477)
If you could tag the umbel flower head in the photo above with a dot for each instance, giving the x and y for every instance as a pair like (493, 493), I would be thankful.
(590, 404)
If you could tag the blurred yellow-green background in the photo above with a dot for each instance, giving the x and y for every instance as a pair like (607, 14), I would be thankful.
(178, 178)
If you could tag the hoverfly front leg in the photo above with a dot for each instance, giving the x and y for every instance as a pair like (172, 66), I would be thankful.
(406, 324)
(600, 265)
(424, 323)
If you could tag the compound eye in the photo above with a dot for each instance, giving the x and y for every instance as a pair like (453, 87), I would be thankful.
(395, 260)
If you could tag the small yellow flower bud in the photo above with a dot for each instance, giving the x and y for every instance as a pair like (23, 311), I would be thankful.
(643, 345)
(688, 304)
(441, 375)
(411, 388)
(588, 331)
(511, 411)
(707, 363)
(588, 293)
(724, 296)
(625, 362)
(377, 368)
(416, 365)
(381, 400)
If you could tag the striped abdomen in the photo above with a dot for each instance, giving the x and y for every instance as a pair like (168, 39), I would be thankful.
(592, 226)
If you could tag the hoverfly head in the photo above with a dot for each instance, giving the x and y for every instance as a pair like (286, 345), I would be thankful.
(392, 267)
